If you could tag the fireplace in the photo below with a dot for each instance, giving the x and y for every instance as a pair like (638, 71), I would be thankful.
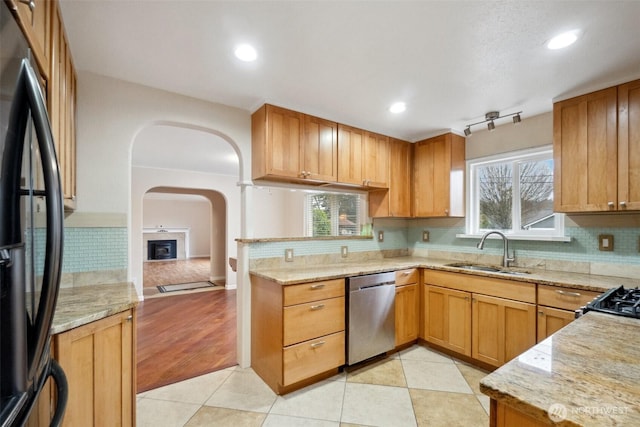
(162, 249)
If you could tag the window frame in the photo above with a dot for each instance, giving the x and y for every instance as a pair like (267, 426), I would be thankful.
(472, 226)
(362, 217)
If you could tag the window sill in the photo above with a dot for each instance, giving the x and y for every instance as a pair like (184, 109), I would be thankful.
(518, 237)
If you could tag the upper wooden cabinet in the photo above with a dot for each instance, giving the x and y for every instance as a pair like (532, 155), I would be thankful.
(438, 173)
(396, 202)
(363, 157)
(596, 142)
(288, 145)
(34, 17)
(62, 107)
(629, 146)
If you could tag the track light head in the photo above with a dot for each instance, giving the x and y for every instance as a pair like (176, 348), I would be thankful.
(516, 119)
(489, 119)
(491, 126)
(467, 131)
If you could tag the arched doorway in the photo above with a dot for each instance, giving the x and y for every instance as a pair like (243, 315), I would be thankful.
(176, 164)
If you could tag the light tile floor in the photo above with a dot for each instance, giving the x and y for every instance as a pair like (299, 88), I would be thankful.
(416, 387)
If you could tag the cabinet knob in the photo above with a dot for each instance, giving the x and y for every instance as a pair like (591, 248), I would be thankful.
(446, 211)
(129, 319)
(29, 3)
(623, 204)
(541, 313)
(611, 204)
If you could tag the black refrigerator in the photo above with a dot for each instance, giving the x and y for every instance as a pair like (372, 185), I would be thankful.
(31, 233)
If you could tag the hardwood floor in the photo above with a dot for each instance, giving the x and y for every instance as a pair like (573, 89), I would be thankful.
(183, 336)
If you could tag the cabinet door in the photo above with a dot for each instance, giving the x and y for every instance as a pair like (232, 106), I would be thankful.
(376, 161)
(350, 149)
(396, 202)
(320, 149)
(62, 108)
(407, 306)
(438, 188)
(34, 18)
(551, 320)
(585, 152)
(501, 328)
(283, 140)
(98, 360)
(629, 146)
(447, 318)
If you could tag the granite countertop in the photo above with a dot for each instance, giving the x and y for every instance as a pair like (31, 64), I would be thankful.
(81, 305)
(303, 274)
(586, 374)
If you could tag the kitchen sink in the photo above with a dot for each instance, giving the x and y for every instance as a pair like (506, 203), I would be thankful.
(487, 268)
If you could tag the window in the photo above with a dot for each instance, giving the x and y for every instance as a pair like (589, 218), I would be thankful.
(513, 193)
(335, 214)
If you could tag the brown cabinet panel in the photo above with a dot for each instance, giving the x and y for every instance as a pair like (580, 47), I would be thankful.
(350, 148)
(34, 18)
(320, 149)
(313, 357)
(565, 298)
(629, 146)
(551, 320)
(407, 313)
(98, 360)
(447, 318)
(396, 202)
(314, 291)
(501, 329)
(376, 161)
(438, 170)
(303, 322)
(585, 152)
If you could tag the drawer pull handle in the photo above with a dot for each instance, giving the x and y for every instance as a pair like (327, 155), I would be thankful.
(318, 286)
(569, 294)
(317, 307)
(406, 273)
(318, 344)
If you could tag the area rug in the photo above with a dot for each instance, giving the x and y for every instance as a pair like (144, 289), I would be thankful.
(184, 286)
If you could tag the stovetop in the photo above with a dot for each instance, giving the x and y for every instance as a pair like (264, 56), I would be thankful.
(619, 301)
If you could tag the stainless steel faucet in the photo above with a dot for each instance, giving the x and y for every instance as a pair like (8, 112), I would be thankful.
(505, 256)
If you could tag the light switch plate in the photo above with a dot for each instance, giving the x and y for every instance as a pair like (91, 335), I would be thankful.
(605, 242)
(380, 236)
(288, 255)
(344, 251)
(425, 236)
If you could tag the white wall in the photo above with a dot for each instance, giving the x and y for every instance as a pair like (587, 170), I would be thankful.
(111, 113)
(192, 213)
(277, 212)
(531, 132)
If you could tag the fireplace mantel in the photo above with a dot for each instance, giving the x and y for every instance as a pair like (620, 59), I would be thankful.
(181, 235)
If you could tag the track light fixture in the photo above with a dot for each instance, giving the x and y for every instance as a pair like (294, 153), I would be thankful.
(489, 119)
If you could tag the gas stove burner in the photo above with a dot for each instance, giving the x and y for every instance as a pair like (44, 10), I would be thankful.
(619, 301)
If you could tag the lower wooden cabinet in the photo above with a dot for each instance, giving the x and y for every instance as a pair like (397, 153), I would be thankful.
(504, 416)
(407, 313)
(99, 362)
(447, 318)
(556, 307)
(551, 320)
(297, 331)
(501, 329)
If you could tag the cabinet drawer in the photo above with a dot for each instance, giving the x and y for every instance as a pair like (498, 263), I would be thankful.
(566, 298)
(313, 357)
(303, 322)
(405, 277)
(307, 292)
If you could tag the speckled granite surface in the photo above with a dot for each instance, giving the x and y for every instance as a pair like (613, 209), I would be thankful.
(589, 371)
(81, 305)
(292, 275)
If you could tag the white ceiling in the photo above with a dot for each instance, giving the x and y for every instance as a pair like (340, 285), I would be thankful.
(450, 61)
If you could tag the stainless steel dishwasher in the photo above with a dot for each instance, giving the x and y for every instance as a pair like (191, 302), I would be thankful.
(370, 315)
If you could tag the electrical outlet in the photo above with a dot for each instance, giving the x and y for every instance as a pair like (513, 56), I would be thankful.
(605, 242)
(344, 251)
(288, 255)
(380, 236)
(425, 236)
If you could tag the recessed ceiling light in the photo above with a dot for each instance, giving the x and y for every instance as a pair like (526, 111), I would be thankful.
(563, 40)
(245, 52)
(398, 107)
